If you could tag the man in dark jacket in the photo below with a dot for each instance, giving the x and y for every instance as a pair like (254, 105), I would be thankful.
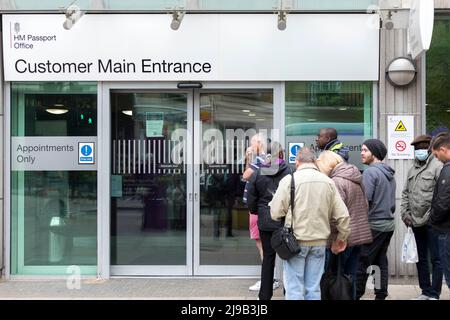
(440, 207)
(261, 188)
(327, 140)
(379, 186)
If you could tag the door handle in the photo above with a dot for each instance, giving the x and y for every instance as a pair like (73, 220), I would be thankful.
(196, 196)
(190, 196)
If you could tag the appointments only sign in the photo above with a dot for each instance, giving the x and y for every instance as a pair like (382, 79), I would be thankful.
(53, 153)
(400, 136)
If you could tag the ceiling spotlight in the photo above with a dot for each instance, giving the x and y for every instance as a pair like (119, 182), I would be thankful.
(57, 109)
(282, 20)
(73, 14)
(177, 17)
(127, 112)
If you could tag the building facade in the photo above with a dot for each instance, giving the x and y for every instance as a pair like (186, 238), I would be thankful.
(125, 129)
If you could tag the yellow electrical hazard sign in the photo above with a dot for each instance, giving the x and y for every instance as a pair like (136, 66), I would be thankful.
(400, 126)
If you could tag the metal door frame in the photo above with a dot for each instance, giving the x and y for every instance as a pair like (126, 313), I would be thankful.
(105, 268)
(192, 267)
(278, 118)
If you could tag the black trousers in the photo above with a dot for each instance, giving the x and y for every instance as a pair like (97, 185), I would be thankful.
(374, 253)
(428, 246)
(267, 267)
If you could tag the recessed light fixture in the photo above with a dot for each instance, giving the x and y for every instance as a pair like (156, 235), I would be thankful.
(260, 119)
(57, 109)
(127, 112)
(343, 108)
(312, 120)
(245, 110)
(448, 110)
(252, 114)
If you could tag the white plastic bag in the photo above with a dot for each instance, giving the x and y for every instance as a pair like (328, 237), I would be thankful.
(409, 249)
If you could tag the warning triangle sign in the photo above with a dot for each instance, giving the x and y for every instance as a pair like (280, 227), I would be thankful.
(400, 126)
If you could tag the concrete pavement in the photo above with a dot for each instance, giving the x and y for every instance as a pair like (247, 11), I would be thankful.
(165, 288)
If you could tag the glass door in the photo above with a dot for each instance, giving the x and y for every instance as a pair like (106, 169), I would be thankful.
(150, 216)
(226, 121)
(176, 188)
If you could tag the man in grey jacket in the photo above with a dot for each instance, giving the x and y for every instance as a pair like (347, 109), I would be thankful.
(379, 185)
(415, 210)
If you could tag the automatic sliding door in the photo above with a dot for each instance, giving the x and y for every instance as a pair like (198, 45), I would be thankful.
(149, 183)
(228, 119)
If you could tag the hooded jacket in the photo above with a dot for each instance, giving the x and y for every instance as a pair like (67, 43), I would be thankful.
(338, 147)
(348, 181)
(418, 190)
(260, 189)
(379, 186)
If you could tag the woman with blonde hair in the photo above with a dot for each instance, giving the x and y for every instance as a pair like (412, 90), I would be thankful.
(348, 181)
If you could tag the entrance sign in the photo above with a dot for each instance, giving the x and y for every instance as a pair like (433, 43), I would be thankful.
(400, 136)
(233, 47)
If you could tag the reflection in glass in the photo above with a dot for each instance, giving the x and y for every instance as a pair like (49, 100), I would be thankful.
(345, 106)
(53, 213)
(229, 120)
(148, 182)
(58, 217)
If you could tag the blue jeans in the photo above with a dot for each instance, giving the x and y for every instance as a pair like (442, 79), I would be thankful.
(428, 245)
(444, 252)
(303, 272)
(349, 263)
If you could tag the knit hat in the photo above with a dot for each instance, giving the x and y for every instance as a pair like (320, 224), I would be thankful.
(377, 148)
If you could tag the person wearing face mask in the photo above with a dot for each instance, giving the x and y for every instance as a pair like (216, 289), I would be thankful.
(415, 212)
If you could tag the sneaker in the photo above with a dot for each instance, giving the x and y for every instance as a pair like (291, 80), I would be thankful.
(276, 284)
(422, 297)
(256, 286)
(431, 298)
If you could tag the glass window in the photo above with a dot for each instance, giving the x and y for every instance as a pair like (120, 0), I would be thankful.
(53, 213)
(438, 78)
(345, 106)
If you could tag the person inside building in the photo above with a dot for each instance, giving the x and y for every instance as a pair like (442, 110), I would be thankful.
(440, 204)
(327, 140)
(379, 186)
(415, 210)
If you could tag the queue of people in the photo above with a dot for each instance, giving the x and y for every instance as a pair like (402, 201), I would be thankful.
(339, 211)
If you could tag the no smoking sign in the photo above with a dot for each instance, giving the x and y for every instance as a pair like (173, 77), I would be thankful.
(400, 136)
(400, 145)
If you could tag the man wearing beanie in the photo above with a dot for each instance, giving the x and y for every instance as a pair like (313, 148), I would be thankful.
(379, 186)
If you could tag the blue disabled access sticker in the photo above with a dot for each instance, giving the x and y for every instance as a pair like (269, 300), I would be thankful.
(86, 153)
(293, 149)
